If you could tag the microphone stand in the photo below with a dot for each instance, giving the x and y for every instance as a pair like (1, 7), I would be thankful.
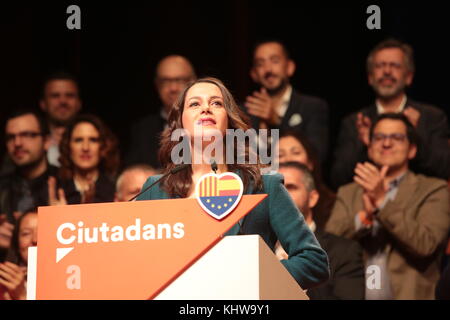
(178, 168)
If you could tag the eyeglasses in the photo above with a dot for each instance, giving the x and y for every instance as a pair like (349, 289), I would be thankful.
(396, 137)
(25, 135)
(167, 81)
(393, 65)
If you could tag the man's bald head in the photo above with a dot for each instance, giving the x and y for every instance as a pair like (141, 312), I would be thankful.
(172, 75)
(131, 180)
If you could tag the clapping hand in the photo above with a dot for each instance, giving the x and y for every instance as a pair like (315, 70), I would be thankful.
(12, 277)
(260, 105)
(6, 230)
(413, 116)
(363, 125)
(54, 200)
(373, 181)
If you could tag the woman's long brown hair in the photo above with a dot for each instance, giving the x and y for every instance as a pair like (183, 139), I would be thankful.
(180, 183)
(109, 151)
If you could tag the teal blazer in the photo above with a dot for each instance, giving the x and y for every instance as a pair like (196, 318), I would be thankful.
(276, 218)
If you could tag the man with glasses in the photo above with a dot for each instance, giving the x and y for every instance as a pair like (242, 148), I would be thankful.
(400, 218)
(390, 68)
(173, 73)
(60, 101)
(27, 142)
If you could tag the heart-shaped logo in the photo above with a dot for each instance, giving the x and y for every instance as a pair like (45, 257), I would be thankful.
(218, 195)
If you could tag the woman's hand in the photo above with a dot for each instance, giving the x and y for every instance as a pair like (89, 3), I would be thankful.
(280, 252)
(52, 198)
(12, 277)
(6, 231)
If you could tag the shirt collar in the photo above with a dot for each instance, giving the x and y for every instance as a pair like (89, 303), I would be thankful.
(395, 182)
(284, 102)
(312, 226)
(401, 106)
(164, 114)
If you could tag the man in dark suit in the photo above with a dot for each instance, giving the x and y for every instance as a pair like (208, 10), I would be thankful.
(172, 74)
(345, 256)
(277, 105)
(443, 286)
(390, 68)
(27, 141)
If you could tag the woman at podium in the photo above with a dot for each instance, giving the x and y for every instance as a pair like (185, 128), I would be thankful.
(205, 109)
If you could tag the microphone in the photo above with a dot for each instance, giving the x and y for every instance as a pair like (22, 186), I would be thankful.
(174, 170)
(214, 166)
(178, 168)
(241, 223)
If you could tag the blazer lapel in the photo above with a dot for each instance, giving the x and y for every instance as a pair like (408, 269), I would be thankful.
(406, 189)
(371, 112)
(294, 106)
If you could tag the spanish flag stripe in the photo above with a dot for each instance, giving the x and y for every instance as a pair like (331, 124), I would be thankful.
(223, 193)
(227, 177)
(229, 185)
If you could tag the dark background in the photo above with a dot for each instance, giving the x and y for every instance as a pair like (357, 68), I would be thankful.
(115, 52)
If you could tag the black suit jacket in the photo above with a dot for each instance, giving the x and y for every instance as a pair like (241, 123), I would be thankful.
(443, 286)
(314, 115)
(104, 190)
(144, 141)
(347, 279)
(13, 186)
(433, 154)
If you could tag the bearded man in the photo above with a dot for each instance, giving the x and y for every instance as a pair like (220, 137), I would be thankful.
(390, 68)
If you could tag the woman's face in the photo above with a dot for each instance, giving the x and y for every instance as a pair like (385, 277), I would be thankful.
(85, 146)
(292, 150)
(204, 110)
(27, 234)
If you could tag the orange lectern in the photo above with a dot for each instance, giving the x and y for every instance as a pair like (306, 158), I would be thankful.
(127, 250)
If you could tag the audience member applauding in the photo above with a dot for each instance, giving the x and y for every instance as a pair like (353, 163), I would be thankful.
(390, 68)
(60, 101)
(89, 162)
(27, 141)
(278, 105)
(13, 272)
(400, 218)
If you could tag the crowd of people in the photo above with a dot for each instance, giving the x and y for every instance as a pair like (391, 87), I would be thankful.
(385, 206)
